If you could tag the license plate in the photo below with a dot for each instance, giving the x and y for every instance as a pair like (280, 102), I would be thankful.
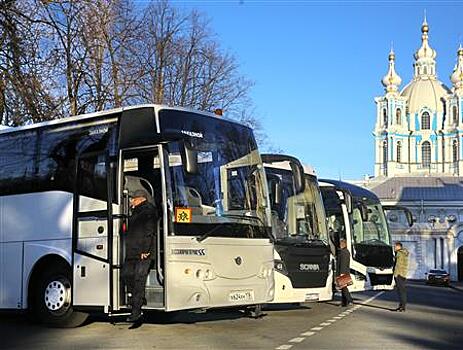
(311, 297)
(241, 295)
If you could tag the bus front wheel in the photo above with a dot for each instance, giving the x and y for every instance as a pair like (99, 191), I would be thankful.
(52, 299)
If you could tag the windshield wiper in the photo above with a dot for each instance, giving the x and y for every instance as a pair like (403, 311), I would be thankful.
(207, 234)
(236, 216)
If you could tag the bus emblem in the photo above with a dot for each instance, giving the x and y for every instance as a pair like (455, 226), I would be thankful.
(238, 260)
(191, 251)
(309, 267)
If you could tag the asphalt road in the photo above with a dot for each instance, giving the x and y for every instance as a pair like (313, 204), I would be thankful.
(434, 320)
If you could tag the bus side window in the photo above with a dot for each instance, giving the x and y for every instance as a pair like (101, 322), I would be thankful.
(18, 160)
(92, 177)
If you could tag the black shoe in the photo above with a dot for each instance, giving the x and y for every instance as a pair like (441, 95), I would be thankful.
(134, 317)
(400, 309)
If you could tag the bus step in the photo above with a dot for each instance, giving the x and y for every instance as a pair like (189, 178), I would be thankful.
(116, 314)
(154, 296)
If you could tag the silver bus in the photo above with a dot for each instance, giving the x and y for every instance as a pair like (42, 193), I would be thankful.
(303, 255)
(64, 208)
(356, 214)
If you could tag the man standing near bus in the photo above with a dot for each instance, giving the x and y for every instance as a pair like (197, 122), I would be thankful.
(343, 268)
(139, 250)
(400, 274)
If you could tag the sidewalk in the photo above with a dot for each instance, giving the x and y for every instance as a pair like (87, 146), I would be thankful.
(457, 285)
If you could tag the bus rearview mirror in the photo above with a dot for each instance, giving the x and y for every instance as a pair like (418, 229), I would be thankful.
(190, 161)
(409, 216)
(298, 174)
(276, 192)
(348, 202)
(363, 211)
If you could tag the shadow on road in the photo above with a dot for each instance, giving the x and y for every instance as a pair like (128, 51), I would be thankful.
(377, 307)
(433, 320)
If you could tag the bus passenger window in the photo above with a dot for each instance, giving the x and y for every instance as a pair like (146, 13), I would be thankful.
(92, 177)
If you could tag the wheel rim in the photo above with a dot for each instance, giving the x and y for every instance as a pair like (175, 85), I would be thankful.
(57, 296)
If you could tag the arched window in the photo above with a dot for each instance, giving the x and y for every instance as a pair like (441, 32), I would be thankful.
(425, 70)
(455, 151)
(425, 121)
(455, 115)
(384, 152)
(399, 151)
(398, 116)
(426, 154)
(384, 117)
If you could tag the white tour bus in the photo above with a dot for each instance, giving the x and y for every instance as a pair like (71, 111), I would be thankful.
(356, 214)
(64, 190)
(303, 255)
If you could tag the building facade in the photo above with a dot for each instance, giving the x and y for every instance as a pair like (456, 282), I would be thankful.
(419, 160)
(419, 129)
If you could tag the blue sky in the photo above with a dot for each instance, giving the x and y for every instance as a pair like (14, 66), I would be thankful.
(317, 67)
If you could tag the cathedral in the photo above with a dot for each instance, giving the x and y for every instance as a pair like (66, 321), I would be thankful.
(419, 161)
(419, 129)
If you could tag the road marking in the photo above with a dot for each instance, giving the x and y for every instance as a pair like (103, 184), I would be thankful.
(371, 299)
(308, 334)
(313, 330)
(297, 340)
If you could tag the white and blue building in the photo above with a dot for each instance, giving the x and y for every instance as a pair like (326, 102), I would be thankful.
(419, 160)
(419, 129)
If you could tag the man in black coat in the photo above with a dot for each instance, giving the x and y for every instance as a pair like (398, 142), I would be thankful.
(139, 250)
(343, 267)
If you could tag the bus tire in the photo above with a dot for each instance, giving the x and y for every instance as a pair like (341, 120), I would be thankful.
(52, 299)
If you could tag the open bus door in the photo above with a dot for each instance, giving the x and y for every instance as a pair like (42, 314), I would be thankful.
(93, 231)
(142, 170)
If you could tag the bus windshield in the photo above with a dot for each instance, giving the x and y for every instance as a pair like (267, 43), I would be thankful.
(373, 231)
(299, 216)
(226, 194)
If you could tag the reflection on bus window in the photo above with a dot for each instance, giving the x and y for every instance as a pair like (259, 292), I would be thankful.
(374, 229)
(228, 190)
(299, 215)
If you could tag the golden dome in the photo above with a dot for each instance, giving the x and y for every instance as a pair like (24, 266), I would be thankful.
(391, 80)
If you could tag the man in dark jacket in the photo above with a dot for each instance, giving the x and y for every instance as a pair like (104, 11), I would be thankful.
(343, 267)
(139, 250)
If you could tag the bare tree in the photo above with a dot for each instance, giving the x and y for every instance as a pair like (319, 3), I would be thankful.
(23, 88)
(110, 31)
(67, 57)
(64, 18)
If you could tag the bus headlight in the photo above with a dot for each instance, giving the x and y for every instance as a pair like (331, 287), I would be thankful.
(205, 274)
(280, 267)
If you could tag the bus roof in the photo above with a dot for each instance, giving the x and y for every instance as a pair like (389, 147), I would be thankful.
(87, 116)
(357, 192)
